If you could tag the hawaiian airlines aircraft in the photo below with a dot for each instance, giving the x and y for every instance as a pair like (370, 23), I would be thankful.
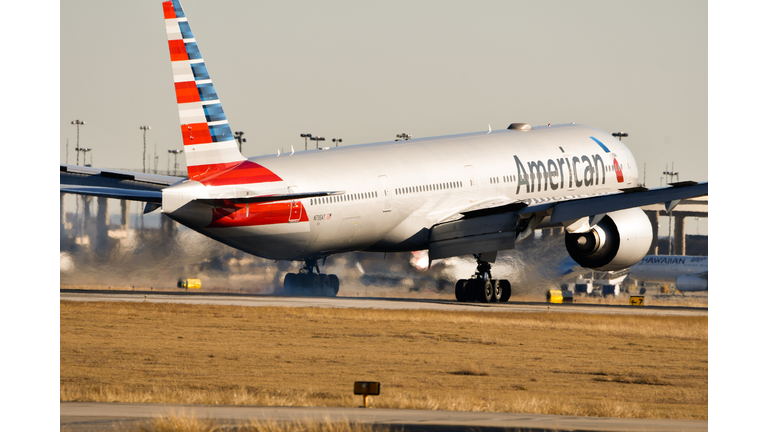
(470, 194)
(688, 273)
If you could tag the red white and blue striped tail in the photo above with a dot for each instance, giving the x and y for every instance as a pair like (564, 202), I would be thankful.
(209, 145)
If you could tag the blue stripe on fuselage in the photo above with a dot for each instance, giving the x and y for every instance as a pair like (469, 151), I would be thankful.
(601, 144)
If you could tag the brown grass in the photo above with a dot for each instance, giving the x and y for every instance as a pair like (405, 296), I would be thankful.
(181, 422)
(570, 364)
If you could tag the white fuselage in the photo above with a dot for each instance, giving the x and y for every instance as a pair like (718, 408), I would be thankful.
(668, 268)
(394, 192)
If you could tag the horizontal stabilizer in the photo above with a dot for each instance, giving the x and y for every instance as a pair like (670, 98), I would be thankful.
(88, 176)
(218, 202)
(150, 196)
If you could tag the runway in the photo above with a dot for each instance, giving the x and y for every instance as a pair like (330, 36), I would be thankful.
(88, 416)
(255, 300)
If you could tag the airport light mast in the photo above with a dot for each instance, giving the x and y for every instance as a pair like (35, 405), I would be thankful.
(77, 146)
(84, 150)
(240, 140)
(305, 136)
(317, 141)
(619, 135)
(144, 158)
(175, 163)
(337, 141)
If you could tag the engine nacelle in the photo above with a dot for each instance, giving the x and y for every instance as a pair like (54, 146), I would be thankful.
(620, 240)
(691, 283)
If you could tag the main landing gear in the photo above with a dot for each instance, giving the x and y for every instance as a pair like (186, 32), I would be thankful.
(310, 282)
(482, 287)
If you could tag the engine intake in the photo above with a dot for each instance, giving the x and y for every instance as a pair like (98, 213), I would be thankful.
(620, 240)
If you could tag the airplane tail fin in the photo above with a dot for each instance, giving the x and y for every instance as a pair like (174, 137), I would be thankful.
(209, 145)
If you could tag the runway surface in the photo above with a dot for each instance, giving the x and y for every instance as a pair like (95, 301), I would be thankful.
(255, 300)
(88, 416)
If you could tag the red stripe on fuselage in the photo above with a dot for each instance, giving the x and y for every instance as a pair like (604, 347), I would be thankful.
(256, 215)
(245, 172)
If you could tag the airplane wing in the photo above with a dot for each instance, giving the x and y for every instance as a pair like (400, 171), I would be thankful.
(497, 228)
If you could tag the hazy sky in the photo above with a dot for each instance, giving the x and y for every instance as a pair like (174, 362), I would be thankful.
(367, 71)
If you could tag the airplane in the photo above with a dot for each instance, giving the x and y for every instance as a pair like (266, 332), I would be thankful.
(471, 194)
(688, 273)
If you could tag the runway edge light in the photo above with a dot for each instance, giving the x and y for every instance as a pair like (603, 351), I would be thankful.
(367, 388)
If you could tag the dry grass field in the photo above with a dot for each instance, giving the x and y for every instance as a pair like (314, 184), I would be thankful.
(547, 363)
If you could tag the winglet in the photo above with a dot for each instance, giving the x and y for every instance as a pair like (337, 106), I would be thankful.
(209, 145)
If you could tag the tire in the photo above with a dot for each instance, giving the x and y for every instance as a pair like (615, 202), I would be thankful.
(506, 290)
(473, 289)
(315, 284)
(325, 286)
(290, 284)
(485, 293)
(461, 293)
(334, 284)
(496, 291)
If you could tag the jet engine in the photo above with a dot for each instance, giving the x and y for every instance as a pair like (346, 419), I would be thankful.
(691, 283)
(618, 241)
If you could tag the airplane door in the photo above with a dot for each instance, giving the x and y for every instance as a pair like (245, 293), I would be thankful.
(387, 194)
(470, 171)
(295, 211)
(295, 215)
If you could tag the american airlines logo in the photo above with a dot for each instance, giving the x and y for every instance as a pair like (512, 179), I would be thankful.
(578, 171)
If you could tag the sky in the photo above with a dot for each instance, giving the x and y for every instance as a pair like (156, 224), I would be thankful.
(367, 71)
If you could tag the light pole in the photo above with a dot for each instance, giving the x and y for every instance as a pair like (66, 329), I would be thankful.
(144, 157)
(337, 141)
(84, 150)
(305, 136)
(619, 135)
(240, 140)
(78, 123)
(175, 153)
(317, 141)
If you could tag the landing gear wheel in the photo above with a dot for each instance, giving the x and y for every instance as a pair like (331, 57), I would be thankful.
(486, 291)
(334, 285)
(506, 290)
(461, 293)
(291, 284)
(472, 289)
(315, 284)
(325, 286)
(496, 293)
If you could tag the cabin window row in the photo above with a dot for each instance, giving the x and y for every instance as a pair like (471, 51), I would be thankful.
(428, 187)
(343, 198)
